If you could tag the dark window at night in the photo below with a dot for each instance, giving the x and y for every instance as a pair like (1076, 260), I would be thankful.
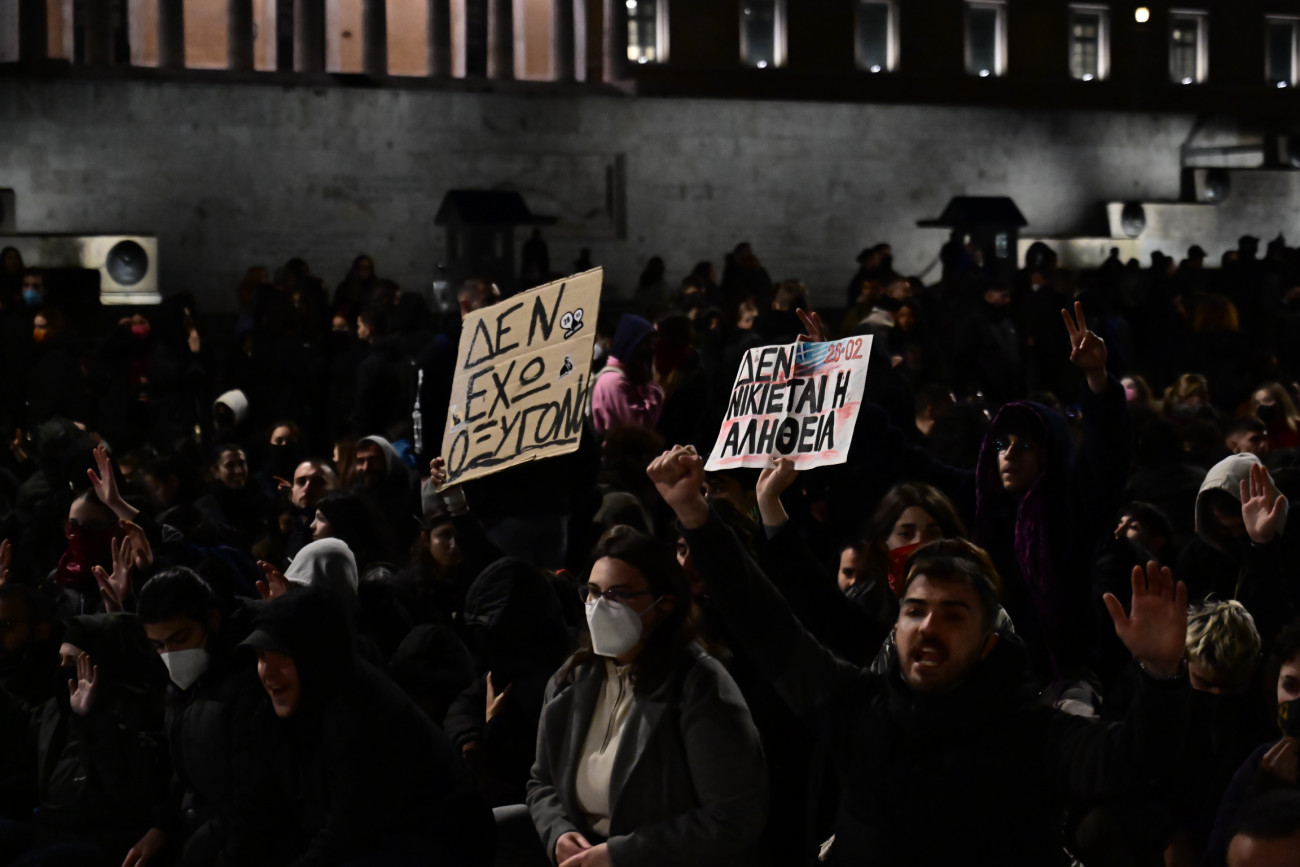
(1280, 52)
(875, 35)
(1187, 47)
(1087, 43)
(643, 29)
(759, 33)
(985, 39)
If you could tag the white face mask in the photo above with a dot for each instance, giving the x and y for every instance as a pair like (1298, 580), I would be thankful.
(615, 627)
(186, 666)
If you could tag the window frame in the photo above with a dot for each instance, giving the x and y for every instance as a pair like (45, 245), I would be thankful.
(661, 34)
(1202, 18)
(778, 37)
(999, 35)
(1102, 11)
(1292, 21)
(891, 35)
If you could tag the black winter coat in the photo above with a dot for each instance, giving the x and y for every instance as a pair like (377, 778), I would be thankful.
(974, 776)
(370, 774)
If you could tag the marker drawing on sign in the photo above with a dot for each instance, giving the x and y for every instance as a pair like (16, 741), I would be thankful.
(799, 401)
(520, 387)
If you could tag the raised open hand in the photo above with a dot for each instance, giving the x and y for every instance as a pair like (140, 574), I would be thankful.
(1262, 506)
(105, 485)
(1087, 350)
(1155, 629)
(812, 325)
(6, 560)
(678, 475)
(81, 692)
(275, 584)
(115, 588)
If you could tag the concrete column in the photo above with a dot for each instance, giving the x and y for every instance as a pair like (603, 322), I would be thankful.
(440, 38)
(615, 40)
(171, 34)
(33, 30)
(563, 40)
(501, 39)
(309, 35)
(96, 26)
(374, 36)
(239, 35)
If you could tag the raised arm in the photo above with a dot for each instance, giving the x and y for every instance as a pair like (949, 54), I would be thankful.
(1093, 759)
(806, 674)
(785, 557)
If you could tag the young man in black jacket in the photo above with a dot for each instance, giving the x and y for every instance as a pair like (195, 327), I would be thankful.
(219, 808)
(947, 758)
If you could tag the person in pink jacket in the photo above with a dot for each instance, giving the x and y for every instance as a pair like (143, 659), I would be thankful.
(624, 392)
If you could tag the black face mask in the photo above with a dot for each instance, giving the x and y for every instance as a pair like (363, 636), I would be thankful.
(1268, 414)
(1288, 718)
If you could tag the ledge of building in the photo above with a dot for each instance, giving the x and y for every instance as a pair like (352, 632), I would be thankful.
(47, 70)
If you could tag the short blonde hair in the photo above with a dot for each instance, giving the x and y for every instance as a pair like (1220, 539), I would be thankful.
(1221, 636)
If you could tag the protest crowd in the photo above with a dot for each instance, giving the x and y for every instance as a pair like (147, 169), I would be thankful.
(1032, 597)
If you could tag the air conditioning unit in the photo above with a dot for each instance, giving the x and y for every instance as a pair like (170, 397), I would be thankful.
(127, 264)
(1208, 186)
(8, 212)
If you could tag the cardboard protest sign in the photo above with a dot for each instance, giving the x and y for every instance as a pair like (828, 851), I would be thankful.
(798, 401)
(522, 375)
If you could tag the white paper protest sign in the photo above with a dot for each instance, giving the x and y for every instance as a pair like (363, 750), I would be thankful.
(798, 400)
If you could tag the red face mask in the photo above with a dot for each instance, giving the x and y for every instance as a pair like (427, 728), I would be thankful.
(897, 562)
(87, 547)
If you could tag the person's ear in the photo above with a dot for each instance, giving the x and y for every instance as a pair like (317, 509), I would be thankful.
(989, 643)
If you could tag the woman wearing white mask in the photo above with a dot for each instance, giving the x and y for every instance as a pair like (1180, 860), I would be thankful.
(646, 753)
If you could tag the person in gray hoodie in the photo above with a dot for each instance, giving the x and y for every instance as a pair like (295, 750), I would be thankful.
(1241, 548)
(382, 477)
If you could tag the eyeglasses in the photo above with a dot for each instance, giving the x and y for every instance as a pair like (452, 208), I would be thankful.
(1005, 447)
(590, 593)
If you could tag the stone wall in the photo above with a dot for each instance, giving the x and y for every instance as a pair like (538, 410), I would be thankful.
(229, 175)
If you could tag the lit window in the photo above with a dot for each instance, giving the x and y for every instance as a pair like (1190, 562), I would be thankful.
(1280, 51)
(986, 38)
(762, 33)
(647, 30)
(1187, 40)
(1089, 35)
(877, 43)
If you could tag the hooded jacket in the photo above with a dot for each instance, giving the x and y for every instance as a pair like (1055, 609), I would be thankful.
(974, 776)
(398, 496)
(1044, 543)
(98, 774)
(371, 775)
(615, 399)
(516, 630)
(326, 564)
(1237, 568)
(221, 804)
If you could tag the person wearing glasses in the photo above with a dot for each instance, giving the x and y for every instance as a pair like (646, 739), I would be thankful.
(646, 752)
